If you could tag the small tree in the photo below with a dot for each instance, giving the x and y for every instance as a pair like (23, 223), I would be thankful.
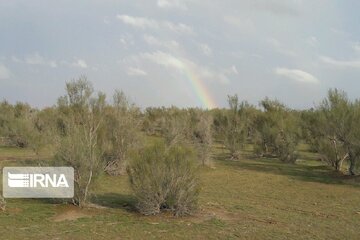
(122, 133)
(234, 126)
(175, 126)
(80, 145)
(200, 134)
(153, 120)
(310, 126)
(338, 134)
(164, 179)
(40, 130)
(277, 131)
(186, 127)
(16, 123)
(332, 152)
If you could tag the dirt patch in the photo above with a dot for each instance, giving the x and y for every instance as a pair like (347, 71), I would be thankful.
(13, 210)
(71, 213)
(208, 214)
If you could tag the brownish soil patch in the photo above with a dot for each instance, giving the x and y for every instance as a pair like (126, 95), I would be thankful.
(13, 210)
(71, 213)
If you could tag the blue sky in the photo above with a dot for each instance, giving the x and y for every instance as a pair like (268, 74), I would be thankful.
(293, 50)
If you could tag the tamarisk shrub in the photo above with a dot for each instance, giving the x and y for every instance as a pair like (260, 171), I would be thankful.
(164, 179)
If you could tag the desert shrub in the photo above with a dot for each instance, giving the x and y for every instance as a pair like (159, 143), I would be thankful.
(164, 179)
(175, 126)
(286, 148)
(332, 152)
(15, 123)
(152, 120)
(310, 128)
(43, 129)
(277, 131)
(200, 134)
(336, 133)
(79, 151)
(232, 126)
(80, 143)
(122, 133)
(190, 126)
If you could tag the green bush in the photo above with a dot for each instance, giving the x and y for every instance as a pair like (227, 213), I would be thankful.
(164, 179)
(277, 132)
(286, 149)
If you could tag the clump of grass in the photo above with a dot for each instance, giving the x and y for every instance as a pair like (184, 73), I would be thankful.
(164, 179)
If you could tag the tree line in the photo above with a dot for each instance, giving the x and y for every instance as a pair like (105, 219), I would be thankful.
(162, 148)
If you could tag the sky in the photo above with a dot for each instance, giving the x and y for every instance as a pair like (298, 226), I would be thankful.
(187, 53)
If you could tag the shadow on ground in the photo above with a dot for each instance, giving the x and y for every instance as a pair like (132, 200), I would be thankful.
(115, 200)
(318, 173)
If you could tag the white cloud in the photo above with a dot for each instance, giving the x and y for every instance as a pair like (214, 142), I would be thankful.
(132, 71)
(231, 70)
(206, 50)
(4, 72)
(151, 40)
(288, 53)
(165, 59)
(234, 69)
(106, 20)
(312, 41)
(257, 56)
(80, 63)
(356, 47)
(296, 75)
(246, 25)
(37, 59)
(276, 44)
(178, 27)
(176, 4)
(127, 40)
(138, 21)
(15, 59)
(144, 23)
(338, 32)
(123, 41)
(341, 63)
(184, 65)
(288, 8)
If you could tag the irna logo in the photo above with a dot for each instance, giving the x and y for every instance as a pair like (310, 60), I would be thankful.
(38, 182)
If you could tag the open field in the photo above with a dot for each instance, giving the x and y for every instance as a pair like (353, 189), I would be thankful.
(180, 119)
(247, 199)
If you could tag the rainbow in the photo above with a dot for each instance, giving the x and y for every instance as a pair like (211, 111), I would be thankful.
(198, 86)
(200, 89)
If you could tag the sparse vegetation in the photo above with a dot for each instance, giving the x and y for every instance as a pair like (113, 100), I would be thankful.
(164, 179)
(201, 134)
(122, 134)
(232, 126)
(274, 201)
(277, 131)
(164, 151)
(334, 128)
(80, 146)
